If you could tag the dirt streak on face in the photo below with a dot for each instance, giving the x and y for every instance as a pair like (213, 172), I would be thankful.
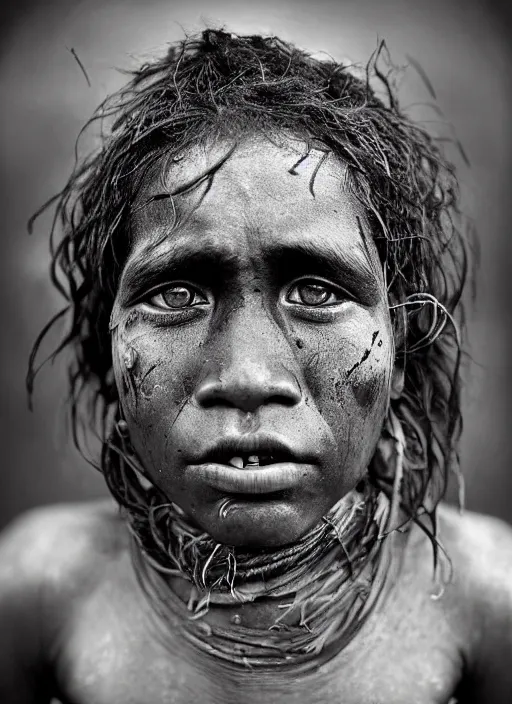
(262, 311)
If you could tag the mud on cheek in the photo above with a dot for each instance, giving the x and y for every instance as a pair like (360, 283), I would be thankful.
(370, 386)
(137, 365)
(368, 378)
(356, 393)
(152, 388)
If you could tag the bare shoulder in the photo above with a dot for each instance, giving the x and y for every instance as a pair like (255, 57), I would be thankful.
(480, 548)
(60, 544)
(468, 600)
(473, 577)
(51, 556)
(50, 559)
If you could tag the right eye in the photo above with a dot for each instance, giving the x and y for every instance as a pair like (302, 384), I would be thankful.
(177, 297)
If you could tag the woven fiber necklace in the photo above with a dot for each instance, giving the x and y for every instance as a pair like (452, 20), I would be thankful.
(330, 579)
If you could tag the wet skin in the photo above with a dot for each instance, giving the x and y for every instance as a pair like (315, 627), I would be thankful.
(247, 355)
(76, 624)
(251, 308)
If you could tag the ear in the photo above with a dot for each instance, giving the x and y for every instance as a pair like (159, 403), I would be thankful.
(397, 382)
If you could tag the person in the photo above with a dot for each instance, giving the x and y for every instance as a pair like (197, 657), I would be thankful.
(263, 263)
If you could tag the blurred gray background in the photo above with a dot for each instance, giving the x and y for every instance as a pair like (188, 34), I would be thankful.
(463, 47)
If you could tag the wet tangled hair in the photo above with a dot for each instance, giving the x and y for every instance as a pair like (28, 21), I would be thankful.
(219, 85)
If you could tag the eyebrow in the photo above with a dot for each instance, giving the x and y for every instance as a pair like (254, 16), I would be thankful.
(151, 268)
(212, 264)
(348, 269)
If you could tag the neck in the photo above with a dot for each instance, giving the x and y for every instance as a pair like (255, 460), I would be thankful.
(262, 613)
(295, 606)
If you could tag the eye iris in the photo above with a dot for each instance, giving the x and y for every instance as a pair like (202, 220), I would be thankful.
(177, 297)
(313, 294)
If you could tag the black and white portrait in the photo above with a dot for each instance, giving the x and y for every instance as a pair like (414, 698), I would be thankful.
(255, 379)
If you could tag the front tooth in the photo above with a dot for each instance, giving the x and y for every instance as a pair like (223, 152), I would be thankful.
(253, 460)
(237, 462)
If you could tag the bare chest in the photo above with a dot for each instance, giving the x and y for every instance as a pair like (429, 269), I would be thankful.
(117, 653)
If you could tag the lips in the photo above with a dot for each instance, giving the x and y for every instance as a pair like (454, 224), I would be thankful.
(264, 480)
(252, 464)
(251, 450)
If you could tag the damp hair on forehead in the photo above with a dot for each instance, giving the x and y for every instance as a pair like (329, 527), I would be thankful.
(220, 86)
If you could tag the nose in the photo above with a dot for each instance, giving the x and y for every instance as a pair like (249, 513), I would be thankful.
(248, 386)
(252, 367)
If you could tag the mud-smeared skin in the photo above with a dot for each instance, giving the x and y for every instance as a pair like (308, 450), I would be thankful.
(365, 356)
(247, 357)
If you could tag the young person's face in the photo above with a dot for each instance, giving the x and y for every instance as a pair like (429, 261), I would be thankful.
(252, 319)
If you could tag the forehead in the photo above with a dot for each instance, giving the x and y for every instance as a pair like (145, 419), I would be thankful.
(257, 194)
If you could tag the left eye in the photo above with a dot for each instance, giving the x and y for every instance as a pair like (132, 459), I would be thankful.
(314, 293)
(177, 297)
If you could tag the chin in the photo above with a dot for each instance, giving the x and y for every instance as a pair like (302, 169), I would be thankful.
(256, 524)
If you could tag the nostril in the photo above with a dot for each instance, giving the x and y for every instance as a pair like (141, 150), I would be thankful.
(282, 399)
(208, 401)
(247, 396)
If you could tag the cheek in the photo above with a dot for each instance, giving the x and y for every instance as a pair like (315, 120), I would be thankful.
(370, 386)
(368, 378)
(348, 375)
(152, 382)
